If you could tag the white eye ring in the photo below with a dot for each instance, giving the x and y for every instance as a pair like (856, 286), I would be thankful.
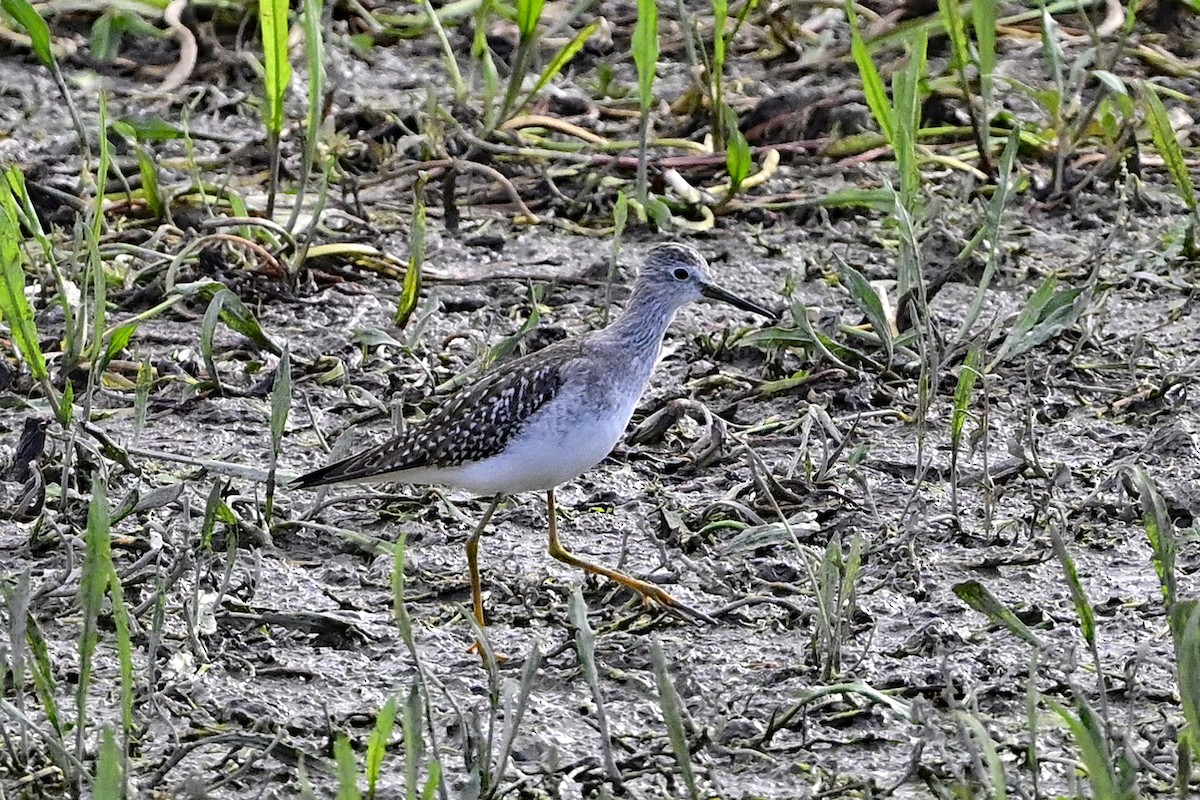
(681, 274)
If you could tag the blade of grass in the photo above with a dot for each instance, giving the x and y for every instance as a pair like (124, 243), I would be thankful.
(456, 79)
(974, 594)
(410, 294)
(121, 624)
(514, 712)
(44, 684)
(277, 76)
(414, 744)
(1160, 530)
(668, 700)
(347, 770)
(906, 94)
(97, 566)
(377, 744)
(281, 405)
(16, 604)
(1083, 606)
(963, 391)
(984, 14)
(39, 36)
(990, 756)
(585, 647)
(141, 396)
(1168, 147)
(645, 57)
(1185, 631)
(14, 306)
(864, 296)
(873, 88)
(1046, 314)
(990, 232)
(529, 12)
(314, 59)
(561, 59)
(1088, 732)
(110, 777)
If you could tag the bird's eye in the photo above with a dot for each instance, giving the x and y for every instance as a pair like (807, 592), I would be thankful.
(681, 274)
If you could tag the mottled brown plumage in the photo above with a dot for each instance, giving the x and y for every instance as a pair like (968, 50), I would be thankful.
(473, 425)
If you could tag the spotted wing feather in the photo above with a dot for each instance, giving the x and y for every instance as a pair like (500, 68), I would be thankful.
(473, 425)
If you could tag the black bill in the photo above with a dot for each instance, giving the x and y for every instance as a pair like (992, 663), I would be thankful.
(717, 293)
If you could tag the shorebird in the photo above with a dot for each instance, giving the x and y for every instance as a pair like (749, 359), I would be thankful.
(536, 422)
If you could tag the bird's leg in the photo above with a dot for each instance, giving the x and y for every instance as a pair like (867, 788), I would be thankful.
(648, 591)
(473, 559)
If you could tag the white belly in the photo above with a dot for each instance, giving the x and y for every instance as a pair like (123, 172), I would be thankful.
(550, 450)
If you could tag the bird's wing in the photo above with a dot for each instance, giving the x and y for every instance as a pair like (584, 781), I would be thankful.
(472, 425)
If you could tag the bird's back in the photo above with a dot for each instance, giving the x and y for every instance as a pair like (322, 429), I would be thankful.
(473, 425)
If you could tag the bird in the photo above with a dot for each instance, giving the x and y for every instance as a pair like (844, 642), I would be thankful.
(536, 422)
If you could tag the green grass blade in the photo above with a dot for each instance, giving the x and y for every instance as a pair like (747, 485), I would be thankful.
(963, 390)
(399, 607)
(956, 31)
(377, 744)
(208, 330)
(277, 76)
(1083, 606)
(281, 406)
(1160, 530)
(1168, 146)
(121, 623)
(974, 594)
(414, 744)
(281, 399)
(42, 671)
(514, 712)
(877, 99)
(991, 229)
(97, 567)
(410, 293)
(110, 780)
(585, 647)
(347, 770)
(456, 78)
(1185, 630)
(563, 57)
(865, 297)
(1046, 314)
(645, 57)
(141, 396)
(738, 159)
(984, 13)
(906, 93)
(277, 67)
(1088, 732)
(118, 340)
(668, 700)
(14, 307)
(529, 12)
(994, 765)
(98, 302)
(314, 59)
(433, 781)
(39, 32)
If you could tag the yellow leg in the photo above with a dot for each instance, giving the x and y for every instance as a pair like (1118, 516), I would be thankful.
(648, 591)
(473, 559)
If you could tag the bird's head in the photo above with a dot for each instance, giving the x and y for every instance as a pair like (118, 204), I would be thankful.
(678, 275)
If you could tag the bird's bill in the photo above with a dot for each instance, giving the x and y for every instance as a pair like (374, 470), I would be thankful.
(717, 293)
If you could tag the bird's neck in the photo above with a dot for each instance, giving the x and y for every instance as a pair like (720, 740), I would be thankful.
(643, 324)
